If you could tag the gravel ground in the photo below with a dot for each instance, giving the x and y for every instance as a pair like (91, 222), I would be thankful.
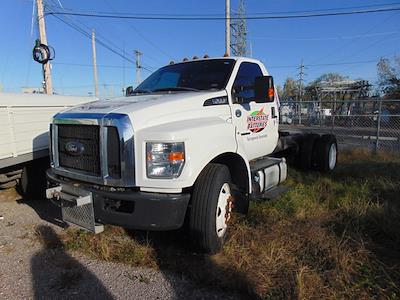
(30, 271)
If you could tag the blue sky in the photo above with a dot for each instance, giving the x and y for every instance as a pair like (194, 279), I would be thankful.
(280, 44)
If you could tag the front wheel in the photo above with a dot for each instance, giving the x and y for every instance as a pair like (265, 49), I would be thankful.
(211, 208)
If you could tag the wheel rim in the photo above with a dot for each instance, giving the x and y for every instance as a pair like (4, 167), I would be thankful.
(332, 156)
(224, 210)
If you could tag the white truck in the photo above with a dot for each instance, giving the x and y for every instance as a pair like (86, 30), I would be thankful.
(24, 144)
(190, 144)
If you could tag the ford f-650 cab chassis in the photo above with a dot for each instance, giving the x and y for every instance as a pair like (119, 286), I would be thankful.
(195, 141)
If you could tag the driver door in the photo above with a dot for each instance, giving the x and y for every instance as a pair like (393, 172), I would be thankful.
(256, 123)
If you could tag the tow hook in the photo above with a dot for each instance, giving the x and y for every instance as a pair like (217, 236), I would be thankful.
(54, 192)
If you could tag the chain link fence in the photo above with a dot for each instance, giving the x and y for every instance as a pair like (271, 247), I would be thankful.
(372, 123)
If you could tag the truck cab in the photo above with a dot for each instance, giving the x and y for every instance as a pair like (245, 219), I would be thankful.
(191, 142)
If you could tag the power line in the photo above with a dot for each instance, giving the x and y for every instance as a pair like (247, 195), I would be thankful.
(90, 66)
(86, 86)
(99, 41)
(345, 46)
(210, 18)
(326, 64)
(88, 28)
(269, 67)
(326, 38)
(154, 45)
(255, 13)
(99, 66)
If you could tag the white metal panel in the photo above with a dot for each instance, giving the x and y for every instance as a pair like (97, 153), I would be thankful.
(11, 99)
(5, 135)
(25, 119)
(31, 125)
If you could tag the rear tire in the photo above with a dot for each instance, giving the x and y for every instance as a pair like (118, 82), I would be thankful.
(33, 182)
(211, 208)
(305, 155)
(8, 185)
(326, 153)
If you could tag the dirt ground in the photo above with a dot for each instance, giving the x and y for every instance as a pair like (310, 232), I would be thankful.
(29, 270)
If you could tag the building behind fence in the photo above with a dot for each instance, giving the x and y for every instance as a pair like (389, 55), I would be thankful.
(372, 123)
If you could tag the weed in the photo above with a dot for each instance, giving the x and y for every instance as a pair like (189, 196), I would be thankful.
(331, 236)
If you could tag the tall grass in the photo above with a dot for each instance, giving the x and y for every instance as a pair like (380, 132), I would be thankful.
(331, 236)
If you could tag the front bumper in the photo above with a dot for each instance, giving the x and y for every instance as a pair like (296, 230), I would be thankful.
(133, 209)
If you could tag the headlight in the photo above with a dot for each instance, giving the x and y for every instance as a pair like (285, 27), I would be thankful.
(164, 160)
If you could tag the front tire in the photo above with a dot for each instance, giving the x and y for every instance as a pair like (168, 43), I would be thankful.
(211, 208)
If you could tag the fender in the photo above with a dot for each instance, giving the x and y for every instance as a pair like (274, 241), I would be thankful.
(204, 138)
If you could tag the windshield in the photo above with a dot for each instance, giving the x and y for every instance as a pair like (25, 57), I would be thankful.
(210, 74)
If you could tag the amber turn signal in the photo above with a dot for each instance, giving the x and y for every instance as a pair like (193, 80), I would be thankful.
(174, 156)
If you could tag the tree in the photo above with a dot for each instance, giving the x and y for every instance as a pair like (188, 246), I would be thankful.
(330, 78)
(289, 88)
(279, 91)
(389, 77)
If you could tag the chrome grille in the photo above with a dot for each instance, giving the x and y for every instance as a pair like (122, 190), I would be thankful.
(87, 136)
(110, 161)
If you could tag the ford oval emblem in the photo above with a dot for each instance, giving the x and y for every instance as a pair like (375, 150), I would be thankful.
(74, 148)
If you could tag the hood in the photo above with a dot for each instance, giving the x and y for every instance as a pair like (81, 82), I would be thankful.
(152, 109)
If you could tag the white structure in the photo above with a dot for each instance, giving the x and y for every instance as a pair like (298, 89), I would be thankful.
(24, 127)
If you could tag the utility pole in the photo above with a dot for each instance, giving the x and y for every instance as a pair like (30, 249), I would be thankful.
(300, 81)
(48, 84)
(96, 83)
(227, 27)
(239, 31)
(138, 66)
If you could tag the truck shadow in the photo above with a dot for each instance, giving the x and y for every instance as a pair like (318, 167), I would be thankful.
(45, 210)
(175, 258)
(57, 275)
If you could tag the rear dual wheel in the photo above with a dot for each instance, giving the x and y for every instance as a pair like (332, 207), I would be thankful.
(325, 153)
(318, 152)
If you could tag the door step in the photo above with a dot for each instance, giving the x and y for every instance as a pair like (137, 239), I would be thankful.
(275, 192)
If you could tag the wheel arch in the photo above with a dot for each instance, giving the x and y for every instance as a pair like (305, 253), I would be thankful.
(238, 168)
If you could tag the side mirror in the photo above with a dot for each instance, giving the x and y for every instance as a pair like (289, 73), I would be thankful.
(129, 91)
(264, 90)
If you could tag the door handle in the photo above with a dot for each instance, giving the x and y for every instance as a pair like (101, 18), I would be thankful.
(273, 113)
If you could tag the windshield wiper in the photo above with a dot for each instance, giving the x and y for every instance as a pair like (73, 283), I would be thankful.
(141, 92)
(176, 88)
